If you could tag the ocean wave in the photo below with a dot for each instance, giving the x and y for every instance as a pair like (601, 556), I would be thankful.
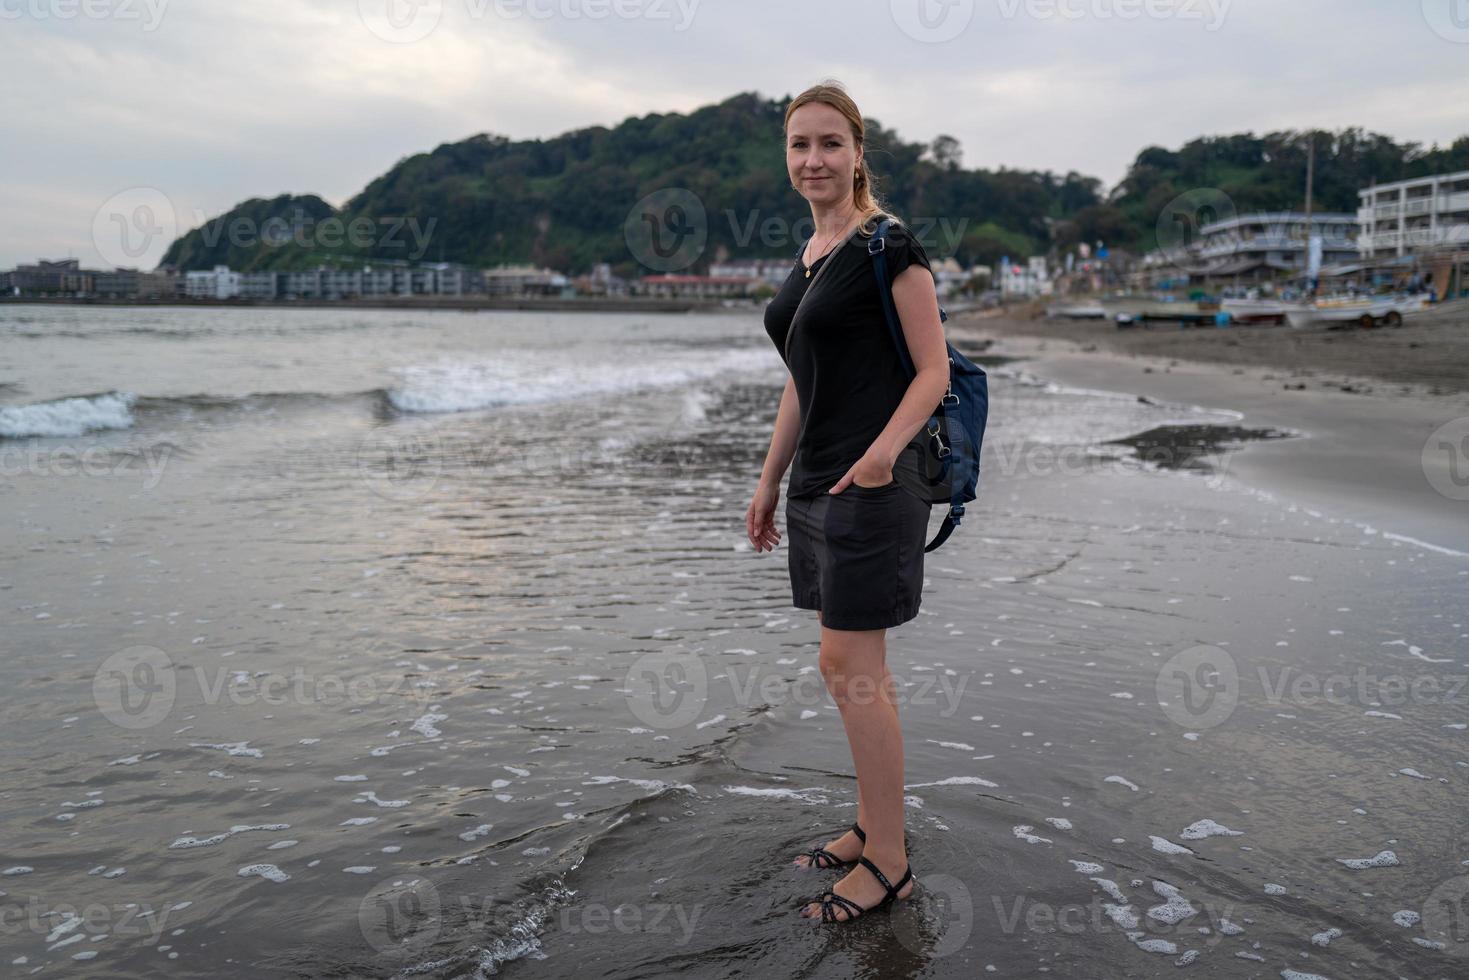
(68, 416)
(459, 386)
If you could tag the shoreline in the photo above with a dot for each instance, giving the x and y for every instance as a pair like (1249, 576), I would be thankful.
(557, 304)
(1361, 456)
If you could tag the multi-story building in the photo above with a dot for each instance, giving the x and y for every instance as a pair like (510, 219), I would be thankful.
(1031, 279)
(50, 278)
(1252, 248)
(218, 283)
(696, 287)
(601, 281)
(772, 272)
(1267, 244)
(523, 280)
(1411, 217)
(259, 285)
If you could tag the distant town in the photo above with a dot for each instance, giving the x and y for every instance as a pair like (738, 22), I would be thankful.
(1403, 231)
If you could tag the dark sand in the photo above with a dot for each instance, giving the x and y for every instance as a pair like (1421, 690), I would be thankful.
(1363, 398)
(1428, 355)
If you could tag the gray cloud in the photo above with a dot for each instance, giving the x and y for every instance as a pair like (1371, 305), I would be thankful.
(214, 103)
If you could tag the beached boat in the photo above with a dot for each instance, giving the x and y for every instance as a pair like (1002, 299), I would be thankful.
(1257, 310)
(1078, 311)
(1134, 309)
(1367, 311)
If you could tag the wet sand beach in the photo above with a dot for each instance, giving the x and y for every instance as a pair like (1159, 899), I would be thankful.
(429, 645)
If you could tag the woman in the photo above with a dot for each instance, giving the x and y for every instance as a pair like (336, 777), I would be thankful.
(857, 509)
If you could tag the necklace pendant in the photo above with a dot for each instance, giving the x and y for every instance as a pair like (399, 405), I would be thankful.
(808, 273)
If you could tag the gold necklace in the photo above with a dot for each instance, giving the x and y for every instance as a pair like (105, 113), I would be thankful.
(828, 248)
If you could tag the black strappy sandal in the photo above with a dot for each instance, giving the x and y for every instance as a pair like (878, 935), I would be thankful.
(831, 899)
(822, 858)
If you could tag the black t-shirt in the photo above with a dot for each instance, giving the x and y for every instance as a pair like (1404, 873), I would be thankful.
(849, 378)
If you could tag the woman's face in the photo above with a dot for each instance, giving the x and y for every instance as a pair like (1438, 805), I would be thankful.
(821, 154)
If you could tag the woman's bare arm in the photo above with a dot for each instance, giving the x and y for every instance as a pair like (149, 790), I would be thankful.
(783, 439)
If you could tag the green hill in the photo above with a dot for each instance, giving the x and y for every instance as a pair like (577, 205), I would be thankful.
(562, 202)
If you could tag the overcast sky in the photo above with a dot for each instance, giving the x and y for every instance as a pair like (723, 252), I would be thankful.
(204, 103)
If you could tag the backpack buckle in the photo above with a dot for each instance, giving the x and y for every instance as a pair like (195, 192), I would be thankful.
(933, 433)
(877, 245)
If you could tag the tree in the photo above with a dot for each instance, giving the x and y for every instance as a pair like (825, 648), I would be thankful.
(946, 152)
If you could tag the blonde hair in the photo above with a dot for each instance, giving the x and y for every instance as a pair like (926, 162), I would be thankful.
(864, 191)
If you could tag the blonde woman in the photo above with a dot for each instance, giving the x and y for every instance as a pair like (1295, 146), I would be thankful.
(857, 511)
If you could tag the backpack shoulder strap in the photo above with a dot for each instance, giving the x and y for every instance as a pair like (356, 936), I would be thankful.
(877, 250)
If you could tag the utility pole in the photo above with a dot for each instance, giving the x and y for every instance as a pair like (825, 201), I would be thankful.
(1310, 181)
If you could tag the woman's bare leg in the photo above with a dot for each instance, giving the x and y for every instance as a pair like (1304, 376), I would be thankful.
(853, 665)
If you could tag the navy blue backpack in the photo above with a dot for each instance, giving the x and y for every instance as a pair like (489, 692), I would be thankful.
(950, 441)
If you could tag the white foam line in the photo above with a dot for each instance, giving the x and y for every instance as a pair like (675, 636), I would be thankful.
(1424, 544)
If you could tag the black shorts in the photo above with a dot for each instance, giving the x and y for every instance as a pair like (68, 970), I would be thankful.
(858, 555)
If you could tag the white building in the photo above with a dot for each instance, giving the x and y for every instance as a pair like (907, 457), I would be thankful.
(259, 285)
(1264, 244)
(1030, 279)
(1415, 216)
(523, 280)
(773, 272)
(220, 283)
